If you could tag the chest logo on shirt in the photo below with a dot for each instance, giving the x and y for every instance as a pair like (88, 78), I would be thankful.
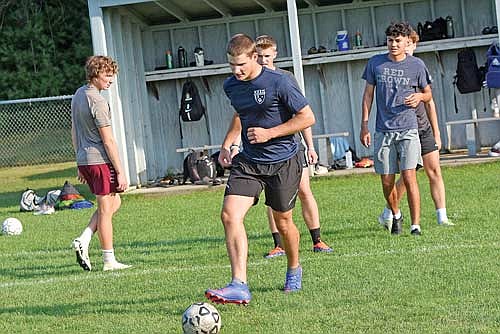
(259, 95)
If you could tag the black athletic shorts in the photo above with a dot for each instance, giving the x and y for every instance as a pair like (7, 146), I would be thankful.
(427, 141)
(280, 181)
(304, 161)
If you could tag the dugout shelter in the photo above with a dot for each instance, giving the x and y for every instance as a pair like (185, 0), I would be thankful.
(145, 99)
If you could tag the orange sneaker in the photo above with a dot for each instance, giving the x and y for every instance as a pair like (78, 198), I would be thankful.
(322, 247)
(275, 252)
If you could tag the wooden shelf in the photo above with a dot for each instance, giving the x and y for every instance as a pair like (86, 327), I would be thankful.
(324, 58)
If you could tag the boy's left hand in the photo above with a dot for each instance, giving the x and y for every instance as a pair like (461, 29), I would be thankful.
(413, 100)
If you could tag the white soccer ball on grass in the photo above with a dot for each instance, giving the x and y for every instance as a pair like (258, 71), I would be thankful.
(12, 226)
(201, 318)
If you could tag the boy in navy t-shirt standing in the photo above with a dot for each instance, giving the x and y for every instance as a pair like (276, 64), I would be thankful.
(270, 109)
(401, 82)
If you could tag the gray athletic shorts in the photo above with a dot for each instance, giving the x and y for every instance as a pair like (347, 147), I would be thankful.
(396, 151)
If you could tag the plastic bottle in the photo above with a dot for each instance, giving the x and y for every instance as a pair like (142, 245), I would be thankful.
(420, 29)
(450, 30)
(358, 40)
(495, 107)
(348, 159)
(168, 59)
(181, 57)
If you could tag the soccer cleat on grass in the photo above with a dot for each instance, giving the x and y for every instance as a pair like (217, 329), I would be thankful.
(322, 247)
(233, 293)
(415, 232)
(115, 266)
(293, 282)
(385, 222)
(82, 254)
(275, 252)
(446, 222)
(397, 225)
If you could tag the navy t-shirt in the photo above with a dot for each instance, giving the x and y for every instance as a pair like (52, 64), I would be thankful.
(393, 82)
(266, 101)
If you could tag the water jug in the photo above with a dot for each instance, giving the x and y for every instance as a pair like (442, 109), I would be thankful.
(342, 40)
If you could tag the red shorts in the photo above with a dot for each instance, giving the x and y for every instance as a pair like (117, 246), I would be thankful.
(100, 178)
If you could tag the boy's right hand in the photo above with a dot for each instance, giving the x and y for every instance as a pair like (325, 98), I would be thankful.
(364, 136)
(225, 157)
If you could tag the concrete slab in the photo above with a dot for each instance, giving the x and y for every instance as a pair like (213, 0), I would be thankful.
(450, 159)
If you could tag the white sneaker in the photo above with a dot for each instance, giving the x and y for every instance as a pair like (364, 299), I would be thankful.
(385, 222)
(82, 254)
(44, 209)
(446, 223)
(115, 266)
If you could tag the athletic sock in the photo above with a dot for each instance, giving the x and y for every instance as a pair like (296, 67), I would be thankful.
(397, 215)
(441, 215)
(293, 271)
(86, 236)
(387, 214)
(108, 255)
(315, 235)
(277, 240)
(415, 227)
(237, 281)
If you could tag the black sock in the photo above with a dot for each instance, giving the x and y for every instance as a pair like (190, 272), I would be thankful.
(277, 240)
(315, 235)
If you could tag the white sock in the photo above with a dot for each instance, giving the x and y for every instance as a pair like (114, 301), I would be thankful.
(415, 227)
(86, 236)
(108, 255)
(441, 215)
(387, 214)
(398, 214)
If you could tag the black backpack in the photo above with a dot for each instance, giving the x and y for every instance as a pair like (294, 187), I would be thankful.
(192, 108)
(433, 30)
(199, 168)
(468, 77)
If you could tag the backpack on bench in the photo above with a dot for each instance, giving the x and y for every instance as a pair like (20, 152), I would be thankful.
(199, 168)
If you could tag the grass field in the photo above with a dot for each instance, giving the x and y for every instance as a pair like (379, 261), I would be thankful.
(446, 281)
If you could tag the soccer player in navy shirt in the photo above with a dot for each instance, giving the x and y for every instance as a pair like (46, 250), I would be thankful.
(270, 109)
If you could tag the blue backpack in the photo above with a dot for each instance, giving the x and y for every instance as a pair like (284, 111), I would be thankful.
(493, 66)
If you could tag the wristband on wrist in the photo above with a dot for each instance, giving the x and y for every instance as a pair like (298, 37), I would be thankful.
(233, 146)
(311, 149)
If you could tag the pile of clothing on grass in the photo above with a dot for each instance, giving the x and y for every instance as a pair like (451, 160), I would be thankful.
(67, 197)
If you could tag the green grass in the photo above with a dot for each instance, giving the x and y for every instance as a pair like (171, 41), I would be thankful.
(446, 281)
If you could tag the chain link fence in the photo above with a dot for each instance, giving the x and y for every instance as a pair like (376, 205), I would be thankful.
(35, 131)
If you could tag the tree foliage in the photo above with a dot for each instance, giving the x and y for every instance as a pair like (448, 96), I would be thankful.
(44, 44)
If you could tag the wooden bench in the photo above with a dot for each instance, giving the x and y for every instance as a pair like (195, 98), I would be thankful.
(471, 135)
(323, 150)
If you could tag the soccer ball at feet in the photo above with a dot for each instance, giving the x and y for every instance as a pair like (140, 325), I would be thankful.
(201, 318)
(12, 226)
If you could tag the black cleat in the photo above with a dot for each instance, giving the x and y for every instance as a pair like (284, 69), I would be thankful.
(397, 225)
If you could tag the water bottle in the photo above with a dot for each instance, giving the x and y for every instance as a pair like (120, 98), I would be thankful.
(168, 59)
(358, 40)
(420, 29)
(181, 57)
(450, 30)
(348, 159)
